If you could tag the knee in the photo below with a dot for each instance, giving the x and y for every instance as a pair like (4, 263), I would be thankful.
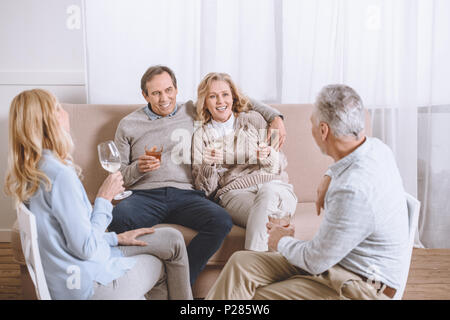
(266, 193)
(218, 220)
(175, 242)
(224, 221)
(275, 195)
(237, 256)
(174, 237)
(239, 259)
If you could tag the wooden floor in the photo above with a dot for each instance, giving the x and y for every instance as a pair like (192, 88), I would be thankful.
(10, 288)
(429, 276)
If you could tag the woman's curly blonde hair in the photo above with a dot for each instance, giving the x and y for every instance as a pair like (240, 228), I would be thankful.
(34, 126)
(240, 102)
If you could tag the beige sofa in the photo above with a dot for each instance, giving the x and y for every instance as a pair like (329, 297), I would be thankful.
(91, 124)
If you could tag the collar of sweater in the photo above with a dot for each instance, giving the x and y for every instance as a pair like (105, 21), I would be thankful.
(154, 116)
(223, 128)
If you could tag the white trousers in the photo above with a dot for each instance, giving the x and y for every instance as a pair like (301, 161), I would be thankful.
(250, 208)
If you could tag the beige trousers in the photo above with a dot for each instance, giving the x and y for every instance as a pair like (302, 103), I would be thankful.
(269, 276)
(250, 208)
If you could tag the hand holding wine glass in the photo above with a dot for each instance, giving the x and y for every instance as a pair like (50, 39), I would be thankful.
(112, 186)
(213, 153)
(263, 151)
(279, 226)
(109, 157)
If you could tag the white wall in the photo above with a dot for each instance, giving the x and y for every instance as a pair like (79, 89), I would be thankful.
(41, 47)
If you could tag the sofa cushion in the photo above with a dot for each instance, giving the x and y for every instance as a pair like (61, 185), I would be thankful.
(306, 221)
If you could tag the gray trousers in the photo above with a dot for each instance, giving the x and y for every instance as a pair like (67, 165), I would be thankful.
(161, 270)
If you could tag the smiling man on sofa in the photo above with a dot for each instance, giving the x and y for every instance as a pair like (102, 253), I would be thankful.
(163, 189)
(361, 243)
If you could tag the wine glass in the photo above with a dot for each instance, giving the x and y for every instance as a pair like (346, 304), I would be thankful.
(282, 218)
(155, 151)
(109, 157)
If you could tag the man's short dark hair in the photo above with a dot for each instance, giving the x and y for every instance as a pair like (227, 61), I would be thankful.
(153, 71)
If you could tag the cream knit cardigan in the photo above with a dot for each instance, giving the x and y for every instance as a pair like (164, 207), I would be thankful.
(241, 168)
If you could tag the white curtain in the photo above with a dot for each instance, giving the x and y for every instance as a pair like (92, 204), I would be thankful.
(395, 53)
(125, 37)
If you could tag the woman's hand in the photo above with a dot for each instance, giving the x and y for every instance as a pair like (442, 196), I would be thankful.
(213, 155)
(128, 238)
(263, 151)
(112, 186)
(321, 192)
(277, 129)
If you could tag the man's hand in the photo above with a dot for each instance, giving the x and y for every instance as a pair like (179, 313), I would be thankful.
(279, 131)
(276, 232)
(321, 192)
(148, 163)
(128, 238)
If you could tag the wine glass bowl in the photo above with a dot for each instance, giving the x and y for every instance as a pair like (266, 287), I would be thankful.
(282, 218)
(109, 157)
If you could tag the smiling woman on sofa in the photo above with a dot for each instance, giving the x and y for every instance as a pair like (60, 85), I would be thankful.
(41, 175)
(234, 164)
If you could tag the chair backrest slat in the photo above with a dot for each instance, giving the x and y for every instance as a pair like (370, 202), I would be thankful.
(413, 218)
(29, 240)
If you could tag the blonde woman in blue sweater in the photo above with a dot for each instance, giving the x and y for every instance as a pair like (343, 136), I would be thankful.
(71, 233)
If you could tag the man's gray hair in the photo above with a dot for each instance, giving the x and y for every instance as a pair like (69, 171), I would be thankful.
(342, 109)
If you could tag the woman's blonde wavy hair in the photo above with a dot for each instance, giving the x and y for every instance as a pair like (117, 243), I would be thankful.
(34, 126)
(240, 102)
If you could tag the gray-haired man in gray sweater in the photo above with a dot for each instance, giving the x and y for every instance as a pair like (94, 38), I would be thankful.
(362, 242)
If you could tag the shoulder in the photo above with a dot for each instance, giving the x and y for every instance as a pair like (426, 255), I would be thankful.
(187, 108)
(202, 132)
(136, 115)
(379, 146)
(188, 105)
(57, 171)
(253, 118)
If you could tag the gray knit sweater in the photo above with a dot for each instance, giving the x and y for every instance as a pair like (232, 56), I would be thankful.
(174, 133)
(240, 168)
